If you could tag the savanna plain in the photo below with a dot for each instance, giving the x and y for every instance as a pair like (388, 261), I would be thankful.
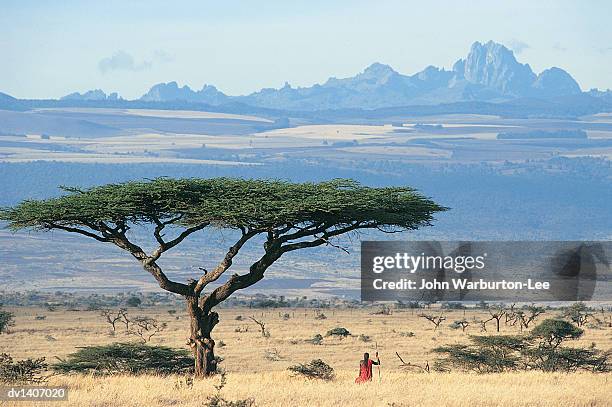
(256, 366)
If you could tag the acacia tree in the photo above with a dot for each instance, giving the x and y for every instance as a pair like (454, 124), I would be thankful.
(287, 217)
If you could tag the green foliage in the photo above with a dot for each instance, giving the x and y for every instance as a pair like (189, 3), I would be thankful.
(341, 332)
(133, 302)
(316, 369)
(127, 358)
(501, 342)
(226, 202)
(7, 319)
(460, 324)
(553, 359)
(316, 340)
(555, 331)
(28, 371)
(578, 313)
(218, 401)
(540, 350)
(488, 354)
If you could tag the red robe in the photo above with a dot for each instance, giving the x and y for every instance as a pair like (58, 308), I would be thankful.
(365, 372)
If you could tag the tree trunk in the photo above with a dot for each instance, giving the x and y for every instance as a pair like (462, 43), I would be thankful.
(202, 324)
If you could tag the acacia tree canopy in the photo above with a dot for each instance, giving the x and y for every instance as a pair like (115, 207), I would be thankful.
(228, 203)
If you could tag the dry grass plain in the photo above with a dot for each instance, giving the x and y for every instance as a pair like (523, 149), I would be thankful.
(250, 374)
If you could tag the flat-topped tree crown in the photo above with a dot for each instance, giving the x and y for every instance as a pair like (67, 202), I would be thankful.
(229, 203)
(291, 216)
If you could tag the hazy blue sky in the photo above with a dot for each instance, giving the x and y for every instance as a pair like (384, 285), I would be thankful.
(50, 48)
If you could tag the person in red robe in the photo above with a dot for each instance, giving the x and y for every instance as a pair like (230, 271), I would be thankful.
(365, 368)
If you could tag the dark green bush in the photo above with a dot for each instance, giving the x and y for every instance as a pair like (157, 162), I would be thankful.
(7, 319)
(27, 371)
(341, 332)
(127, 358)
(316, 369)
(316, 340)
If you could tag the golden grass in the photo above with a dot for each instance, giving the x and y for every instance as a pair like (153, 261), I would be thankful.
(249, 374)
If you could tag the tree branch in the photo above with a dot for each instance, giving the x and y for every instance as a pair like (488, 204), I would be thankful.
(165, 246)
(324, 239)
(225, 264)
(240, 281)
(77, 230)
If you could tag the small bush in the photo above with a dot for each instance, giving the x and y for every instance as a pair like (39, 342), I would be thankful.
(341, 332)
(27, 371)
(316, 369)
(218, 401)
(383, 310)
(273, 355)
(127, 358)
(7, 319)
(316, 340)
(133, 302)
(365, 338)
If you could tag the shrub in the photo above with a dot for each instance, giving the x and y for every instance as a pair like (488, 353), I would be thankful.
(554, 331)
(27, 371)
(133, 302)
(341, 332)
(218, 401)
(316, 369)
(273, 355)
(365, 338)
(7, 319)
(460, 324)
(578, 313)
(485, 356)
(316, 340)
(541, 350)
(127, 358)
(383, 310)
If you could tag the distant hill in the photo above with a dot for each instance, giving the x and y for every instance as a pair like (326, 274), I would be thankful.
(490, 72)
(96, 94)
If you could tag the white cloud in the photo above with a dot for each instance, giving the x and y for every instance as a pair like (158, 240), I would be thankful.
(123, 61)
(517, 46)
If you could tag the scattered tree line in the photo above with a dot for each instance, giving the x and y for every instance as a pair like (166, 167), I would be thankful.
(541, 349)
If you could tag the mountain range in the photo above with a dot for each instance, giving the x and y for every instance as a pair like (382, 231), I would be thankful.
(490, 72)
